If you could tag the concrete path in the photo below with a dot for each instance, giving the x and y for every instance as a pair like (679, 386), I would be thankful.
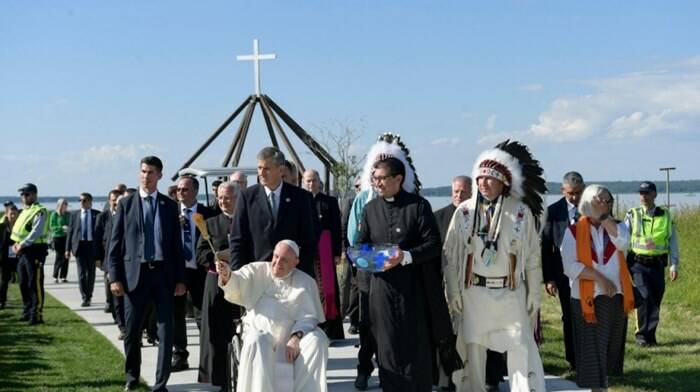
(341, 365)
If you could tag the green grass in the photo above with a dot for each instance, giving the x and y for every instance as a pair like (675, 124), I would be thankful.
(674, 365)
(64, 354)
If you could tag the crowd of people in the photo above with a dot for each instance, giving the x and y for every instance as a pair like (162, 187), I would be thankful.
(456, 306)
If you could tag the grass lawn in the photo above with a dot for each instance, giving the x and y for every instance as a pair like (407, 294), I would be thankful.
(65, 354)
(674, 365)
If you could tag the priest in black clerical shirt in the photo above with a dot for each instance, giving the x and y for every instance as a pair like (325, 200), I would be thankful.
(398, 298)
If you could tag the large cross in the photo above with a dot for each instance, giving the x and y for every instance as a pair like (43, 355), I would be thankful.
(255, 58)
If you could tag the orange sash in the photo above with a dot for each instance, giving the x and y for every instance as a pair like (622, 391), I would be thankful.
(587, 286)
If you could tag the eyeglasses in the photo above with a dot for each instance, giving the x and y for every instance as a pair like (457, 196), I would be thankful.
(381, 178)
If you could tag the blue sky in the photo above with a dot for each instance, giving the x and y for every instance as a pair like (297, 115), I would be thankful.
(611, 89)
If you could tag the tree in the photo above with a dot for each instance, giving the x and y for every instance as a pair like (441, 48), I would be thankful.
(339, 138)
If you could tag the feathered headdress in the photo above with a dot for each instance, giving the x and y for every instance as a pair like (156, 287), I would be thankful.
(390, 145)
(513, 164)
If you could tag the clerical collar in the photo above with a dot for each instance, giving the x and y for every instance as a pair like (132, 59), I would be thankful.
(390, 199)
(227, 214)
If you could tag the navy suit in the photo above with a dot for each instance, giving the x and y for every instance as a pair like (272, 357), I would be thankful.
(255, 233)
(553, 270)
(85, 252)
(146, 282)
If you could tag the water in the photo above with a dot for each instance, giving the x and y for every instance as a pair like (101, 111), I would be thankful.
(623, 201)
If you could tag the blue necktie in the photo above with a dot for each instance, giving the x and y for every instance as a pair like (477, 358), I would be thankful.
(84, 226)
(187, 235)
(149, 247)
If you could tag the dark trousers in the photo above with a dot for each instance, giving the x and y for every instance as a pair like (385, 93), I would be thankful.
(368, 347)
(7, 272)
(60, 265)
(154, 286)
(86, 269)
(650, 283)
(109, 298)
(352, 310)
(496, 367)
(565, 301)
(30, 270)
(194, 279)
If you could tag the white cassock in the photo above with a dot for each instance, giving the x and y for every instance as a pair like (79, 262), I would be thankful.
(497, 319)
(277, 307)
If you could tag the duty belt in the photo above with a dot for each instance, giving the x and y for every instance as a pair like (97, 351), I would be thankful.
(650, 260)
(499, 282)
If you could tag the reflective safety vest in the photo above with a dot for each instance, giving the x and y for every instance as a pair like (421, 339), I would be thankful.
(23, 225)
(650, 234)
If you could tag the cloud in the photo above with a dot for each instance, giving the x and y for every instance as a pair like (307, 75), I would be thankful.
(530, 87)
(631, 105)
(106, 156)
(491, 122)
(446, 141)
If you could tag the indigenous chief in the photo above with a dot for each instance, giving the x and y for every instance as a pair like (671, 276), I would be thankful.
(493, 273)
(560, 216)
(593, 253)
(218, 314)
(397, 296)
(328, 232)
(282, 344)
(654, 243)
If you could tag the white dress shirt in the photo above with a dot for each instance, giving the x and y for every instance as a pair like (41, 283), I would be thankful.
(86, 217)
(611, 269)
(158, 233)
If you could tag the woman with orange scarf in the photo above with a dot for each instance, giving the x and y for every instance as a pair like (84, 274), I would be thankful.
(593, 255)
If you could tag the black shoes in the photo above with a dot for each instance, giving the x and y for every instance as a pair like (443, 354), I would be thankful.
(179, 364)
(361, 382)
(353, 330)
(35, 321)
(85, 303)
(131, 386)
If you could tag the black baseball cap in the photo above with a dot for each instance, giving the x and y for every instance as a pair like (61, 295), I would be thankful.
(647, 186)
(8, 203)
(28, 188)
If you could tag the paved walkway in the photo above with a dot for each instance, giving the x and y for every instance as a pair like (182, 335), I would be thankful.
(341, 365)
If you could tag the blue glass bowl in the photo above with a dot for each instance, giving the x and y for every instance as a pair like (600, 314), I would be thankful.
(369, 257)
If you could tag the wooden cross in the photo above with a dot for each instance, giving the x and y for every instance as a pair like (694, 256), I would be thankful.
(255, 58)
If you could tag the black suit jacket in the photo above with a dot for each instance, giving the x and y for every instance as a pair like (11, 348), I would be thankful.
(255, 233)
(219, 228)
(345, 208)
(443, 216)
(126, 242)
(552, 236)
(206, 212)
(75, 231)
(103, 228)
(328, 218)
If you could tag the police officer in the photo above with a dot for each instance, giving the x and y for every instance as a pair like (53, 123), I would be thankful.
(30, 235)
(653, 242)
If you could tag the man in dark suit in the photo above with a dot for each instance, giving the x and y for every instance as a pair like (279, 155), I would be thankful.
(269, 212)
(146, 264)
(103, 230)
(83, 243)
(195, 275)
(560, 216)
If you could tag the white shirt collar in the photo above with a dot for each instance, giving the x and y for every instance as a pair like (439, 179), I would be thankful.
(277, 191)
(143, 193)
(192, 209)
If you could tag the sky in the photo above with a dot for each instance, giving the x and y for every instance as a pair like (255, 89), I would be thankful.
(610, 89)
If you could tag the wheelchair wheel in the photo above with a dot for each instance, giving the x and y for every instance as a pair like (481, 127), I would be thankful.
(234, 354)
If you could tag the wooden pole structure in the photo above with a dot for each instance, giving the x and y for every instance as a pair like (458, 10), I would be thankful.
(668, 184)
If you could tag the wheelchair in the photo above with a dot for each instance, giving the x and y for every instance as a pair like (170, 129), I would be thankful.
(234, 353)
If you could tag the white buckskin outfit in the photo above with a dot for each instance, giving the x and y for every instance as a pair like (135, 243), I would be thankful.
(496, 245)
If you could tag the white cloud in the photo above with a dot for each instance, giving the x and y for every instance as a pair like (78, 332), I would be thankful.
(530, 87)
(630, 105)
(446, 141)
(106, 156)
(491, 122)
